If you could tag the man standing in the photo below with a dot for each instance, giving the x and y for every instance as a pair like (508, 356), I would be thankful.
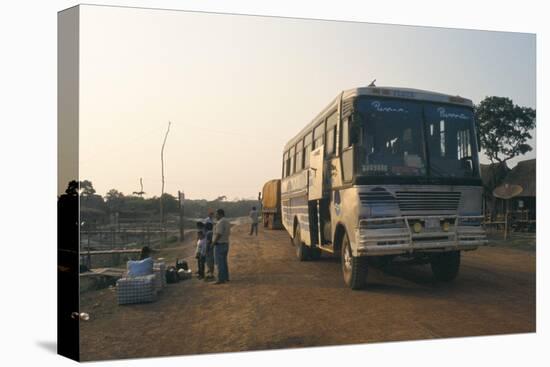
(220, 241)
(254, 217)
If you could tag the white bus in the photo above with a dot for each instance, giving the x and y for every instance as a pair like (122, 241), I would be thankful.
(385, 172)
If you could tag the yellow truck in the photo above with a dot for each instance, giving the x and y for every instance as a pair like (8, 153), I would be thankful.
(271, 204)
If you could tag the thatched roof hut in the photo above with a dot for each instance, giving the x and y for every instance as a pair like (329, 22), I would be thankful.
(492, 175)
(524, 174)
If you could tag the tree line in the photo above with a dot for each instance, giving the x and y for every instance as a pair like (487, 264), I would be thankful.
(138, 206)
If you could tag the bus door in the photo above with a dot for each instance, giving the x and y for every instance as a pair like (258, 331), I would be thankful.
(318, 205)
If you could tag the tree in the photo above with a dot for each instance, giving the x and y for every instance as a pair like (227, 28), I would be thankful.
(504, 128)
(114, 199)
(170, 203)
(86, 188)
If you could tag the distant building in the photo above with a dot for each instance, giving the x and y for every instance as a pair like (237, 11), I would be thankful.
(524, 175)
(492, 175)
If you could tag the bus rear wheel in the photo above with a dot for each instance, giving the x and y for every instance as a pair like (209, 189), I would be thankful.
(354, 268)
(302, 251)
(445, 265)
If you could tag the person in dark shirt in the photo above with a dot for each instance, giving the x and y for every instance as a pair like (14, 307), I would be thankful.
(209, 256)
(254, 221)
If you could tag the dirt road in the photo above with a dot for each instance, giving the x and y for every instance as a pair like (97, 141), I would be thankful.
(274, 301)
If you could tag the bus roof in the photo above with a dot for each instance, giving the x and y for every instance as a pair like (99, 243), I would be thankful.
(408, 93)
(390, 92)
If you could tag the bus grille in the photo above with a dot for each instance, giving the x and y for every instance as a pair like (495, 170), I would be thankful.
(413, 201)
(376, 198)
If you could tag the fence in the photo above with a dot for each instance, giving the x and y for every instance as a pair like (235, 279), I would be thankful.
(109, 247)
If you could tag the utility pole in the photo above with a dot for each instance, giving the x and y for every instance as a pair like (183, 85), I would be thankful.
(260, 206)
(162, 175)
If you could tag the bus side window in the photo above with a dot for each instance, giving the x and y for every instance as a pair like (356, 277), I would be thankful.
(319, 135)
(299, 156)
(292, 160)
(307, 149)
(345, 134)
(330, 146)
(286, 165)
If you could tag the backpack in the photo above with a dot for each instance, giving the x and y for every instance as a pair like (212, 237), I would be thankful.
(171, 275)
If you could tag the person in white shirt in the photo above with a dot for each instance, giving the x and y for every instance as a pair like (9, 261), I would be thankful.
(220, 240)
(200, 253)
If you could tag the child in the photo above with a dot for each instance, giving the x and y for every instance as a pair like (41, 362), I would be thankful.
(200, 253)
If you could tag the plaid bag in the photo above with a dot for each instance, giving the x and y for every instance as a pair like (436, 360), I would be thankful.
(136, 289)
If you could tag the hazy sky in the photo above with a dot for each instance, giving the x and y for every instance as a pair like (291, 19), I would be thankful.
(236, 88)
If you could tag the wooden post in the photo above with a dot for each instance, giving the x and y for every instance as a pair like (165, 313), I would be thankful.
(260, 206)
(162, 176)
(113, 243)
(181, 197)
(89, 255)
(506, 219)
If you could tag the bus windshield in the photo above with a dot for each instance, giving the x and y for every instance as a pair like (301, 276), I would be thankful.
(393, 138)
(399, 134)
(451, 141)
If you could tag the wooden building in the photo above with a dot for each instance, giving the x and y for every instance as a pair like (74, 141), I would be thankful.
(524, 175)
(522, 208)
(492, 176)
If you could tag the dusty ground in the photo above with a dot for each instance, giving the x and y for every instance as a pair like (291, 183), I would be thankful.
(274, 301)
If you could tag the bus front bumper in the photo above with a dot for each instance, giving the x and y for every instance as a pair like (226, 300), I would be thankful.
(399, 237)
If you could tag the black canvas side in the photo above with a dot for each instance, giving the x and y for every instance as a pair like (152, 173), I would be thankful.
(68, 341)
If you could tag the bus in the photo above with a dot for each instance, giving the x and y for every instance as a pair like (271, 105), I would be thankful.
(385, 174)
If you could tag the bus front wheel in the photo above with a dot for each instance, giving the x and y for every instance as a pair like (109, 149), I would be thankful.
(445, 265)
(354, 268)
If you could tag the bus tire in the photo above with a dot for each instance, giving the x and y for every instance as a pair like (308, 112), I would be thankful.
(445, 265)
(354, 268)
(314, 253)
(302, 251)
